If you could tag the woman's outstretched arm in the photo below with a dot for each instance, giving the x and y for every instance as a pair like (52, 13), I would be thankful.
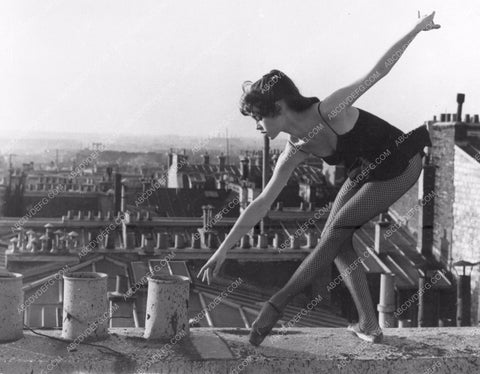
(257, 209)
(338, 104)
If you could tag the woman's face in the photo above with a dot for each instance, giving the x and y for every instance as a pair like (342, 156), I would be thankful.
(267, 125)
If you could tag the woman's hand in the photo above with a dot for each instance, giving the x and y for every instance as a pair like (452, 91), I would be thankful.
(426, 23)
(215, 262)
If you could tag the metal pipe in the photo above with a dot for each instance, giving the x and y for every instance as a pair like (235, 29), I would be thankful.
(421, 302)
(463, 300)
(386, 305)
(460, 101)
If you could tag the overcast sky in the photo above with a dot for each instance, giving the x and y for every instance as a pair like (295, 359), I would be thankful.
(176, 67)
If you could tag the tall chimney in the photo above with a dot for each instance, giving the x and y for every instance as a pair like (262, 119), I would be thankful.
(460, 101)
(206, 158)
(244, 166)
(221, 160)
(170, 157)
(117, 199)
(252, 164)
(123, 204)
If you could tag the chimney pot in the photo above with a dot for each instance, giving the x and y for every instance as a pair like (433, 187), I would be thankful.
(278, 240)
(162, 240)
(245, 242)
(196, 242)
(179, 241)
(262, 241)
(476, 119)
(294, 242)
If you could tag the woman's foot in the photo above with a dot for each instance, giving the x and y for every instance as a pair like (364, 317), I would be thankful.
(264, 323)
(372, 337)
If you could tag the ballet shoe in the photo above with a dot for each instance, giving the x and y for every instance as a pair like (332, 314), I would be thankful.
(375, 337)
(258, 333)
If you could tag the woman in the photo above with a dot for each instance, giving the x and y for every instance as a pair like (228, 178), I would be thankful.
(382, 162)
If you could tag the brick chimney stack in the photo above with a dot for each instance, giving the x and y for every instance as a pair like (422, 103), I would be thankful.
(444, 135)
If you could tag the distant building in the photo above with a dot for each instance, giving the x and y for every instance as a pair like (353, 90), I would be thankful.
(307, 184)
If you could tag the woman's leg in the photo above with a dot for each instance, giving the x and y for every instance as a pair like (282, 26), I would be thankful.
(348, 189)
(370, 200)
(355, 278)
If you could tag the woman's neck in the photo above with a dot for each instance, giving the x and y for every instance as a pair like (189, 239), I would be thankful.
(299, 124)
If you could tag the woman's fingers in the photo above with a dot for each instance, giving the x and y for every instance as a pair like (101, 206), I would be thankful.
(210, 266)
(201, 270)
(204, 275)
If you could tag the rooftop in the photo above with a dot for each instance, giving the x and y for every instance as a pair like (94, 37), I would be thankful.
(205, 350)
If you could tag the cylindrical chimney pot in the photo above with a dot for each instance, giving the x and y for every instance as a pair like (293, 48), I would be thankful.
(11, 307)
(85, 306)
(278, 240)
(294, 242)
(167, 307)
(262, 241)
(179, 241)
(196, 240)
(162, 240)
(245, 242)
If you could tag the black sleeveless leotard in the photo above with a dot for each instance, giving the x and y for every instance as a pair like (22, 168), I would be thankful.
(370, 139)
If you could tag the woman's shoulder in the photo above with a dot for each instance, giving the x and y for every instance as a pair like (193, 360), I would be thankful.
(340, 121)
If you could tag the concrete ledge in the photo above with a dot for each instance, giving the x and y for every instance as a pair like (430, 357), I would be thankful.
(302, 350)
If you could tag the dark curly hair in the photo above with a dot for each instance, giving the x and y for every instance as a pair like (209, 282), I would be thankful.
(272, 87)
